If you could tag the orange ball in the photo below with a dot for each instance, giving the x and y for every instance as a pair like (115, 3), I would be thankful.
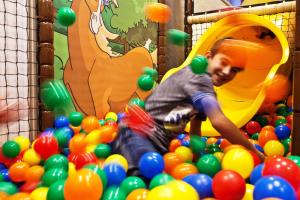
(76, 129)
(268, 128)
(174, 144)
(18, 171)
(278, 88)
(19, 196)
(90, 123)
(3, 195)
(158, 12)
(211, 140)
(108, 134)
(265, 136)
(171, 160)
(77, 143)
(138, 194)
(34, 173)
(83, 185)
(224, 143)
(184, 169)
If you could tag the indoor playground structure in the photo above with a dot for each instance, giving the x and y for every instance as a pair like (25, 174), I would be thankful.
(72, 73)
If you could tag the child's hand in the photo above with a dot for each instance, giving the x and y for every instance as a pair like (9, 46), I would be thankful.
(12, 112)
(260, 155)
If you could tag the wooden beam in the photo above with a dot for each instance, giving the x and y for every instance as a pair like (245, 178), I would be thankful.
(189, 10)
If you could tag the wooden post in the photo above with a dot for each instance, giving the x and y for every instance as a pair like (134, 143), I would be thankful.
(161, 46)
(46, 54)
(296, 87)
(188, 11)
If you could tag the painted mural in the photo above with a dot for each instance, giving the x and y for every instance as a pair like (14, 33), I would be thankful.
(102, 55)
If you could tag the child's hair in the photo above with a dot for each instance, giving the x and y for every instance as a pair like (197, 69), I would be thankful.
(215, 48)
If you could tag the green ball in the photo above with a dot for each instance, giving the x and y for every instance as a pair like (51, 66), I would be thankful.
(62, 137)
(131, 183)
(66, 16)
(57, 161)
(11, 149)
(286, 143)
(138, 102)
(53, 175)
(262, 120)
(100, 173)
(1, 178)
(75, 118)
(199, 65)
(8, 188)
(295, 159)
(255, 136)
(282, 110)
(151, 72)
(114, 193)
(145, 82)
(196, 144)
(102, 150)
(56, 191)
(101, 122)
(280, 121)
(160, 179)
(177, 37)
(214, 150)
(209, 165)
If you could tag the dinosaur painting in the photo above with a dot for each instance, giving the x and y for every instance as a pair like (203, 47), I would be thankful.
(97, 81)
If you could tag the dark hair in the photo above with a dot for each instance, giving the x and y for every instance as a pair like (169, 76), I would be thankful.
(215, 48)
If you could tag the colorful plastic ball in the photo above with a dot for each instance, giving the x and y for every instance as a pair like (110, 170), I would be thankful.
(19, 196)
(39, 193)
(274, 147)
(174, 144)
(199, 65)
(99, 171)
(115, 174)
(295, 159)
(117, 159)
(184, 153)
(285, 168)
(102, 150)
(145, 82)
(75, 118)
(114, 193)
(83, 185)
(11, 149)
(23, 142)
(132, 183)
(53, 175)
(275, 187)
(18, 171)
(151, 164)
(253, 127)
(287, 144)
(82, 159)
(228, 184)
(63, 136)
(202, 183)
(280, 122)
(256, 173)
(262, 120)
(56, 191)
(282, 132)
(255, 136)
(183, 170)
(34, 173)
(61, 121)
(158, 12)
(108, 133)
(266, 136)
(121, 115)
(177, 37)
(151, 72)
(160, 179)
(209, 165)
(5, 175)
(28, 187)
(90, 123)
(277, 89)
(8, 188)
(66, 16)
(238, 160)
(57, 161)
(249, 192)
(46, 146)
(138, 194)
(197, 144)
(31, 157)
(171, 160)
(111, 115)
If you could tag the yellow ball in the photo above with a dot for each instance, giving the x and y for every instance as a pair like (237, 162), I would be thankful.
(93, 138)
(39, 193)
(23, 142)
(184, 153)
(90, 148)
(72, 169)
(249, 192)
(219, 156)
(238, 160)
(111, 115)
(274, 148)
(31, 157)
(118, 159)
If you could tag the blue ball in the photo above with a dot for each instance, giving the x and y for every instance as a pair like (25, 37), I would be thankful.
(61, 121)
(219, 141)
(202, 183)
(204, 139)
(283, 132)
(273, 186)
(5, 175)
(115, 174)
(121, 115)
(185, 143)
(259, 148)
(256, 173)
(151, 164)
(181, 136)
(66, 151)
(2, 166)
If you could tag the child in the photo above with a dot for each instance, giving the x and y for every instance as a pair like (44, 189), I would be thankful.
(184, 97)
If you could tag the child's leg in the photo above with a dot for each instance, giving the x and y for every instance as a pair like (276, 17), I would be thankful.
(132, 146)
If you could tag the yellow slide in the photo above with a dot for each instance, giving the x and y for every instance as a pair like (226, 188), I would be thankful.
(241, 98)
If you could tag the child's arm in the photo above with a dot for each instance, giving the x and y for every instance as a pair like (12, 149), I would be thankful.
(195, 126)
(223, 125)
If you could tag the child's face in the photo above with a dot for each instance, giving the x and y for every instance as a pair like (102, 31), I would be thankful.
(222, 67)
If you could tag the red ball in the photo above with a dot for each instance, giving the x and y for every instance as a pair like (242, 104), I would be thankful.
(298, 193)
(244, 133)
(285, 168)
(255, 157)
(289, 119)
(46, 146)
(253, 127)
(82, 159)
(228, 185)
(28, 187)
